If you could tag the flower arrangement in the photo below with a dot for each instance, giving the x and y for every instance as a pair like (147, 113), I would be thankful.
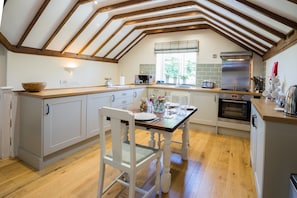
(157, 103)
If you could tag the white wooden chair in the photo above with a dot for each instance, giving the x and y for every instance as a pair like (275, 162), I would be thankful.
(181, 98)
(126, 156)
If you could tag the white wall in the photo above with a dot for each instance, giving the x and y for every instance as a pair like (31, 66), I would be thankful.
(287, 67)
(26, 68)
(143, 53)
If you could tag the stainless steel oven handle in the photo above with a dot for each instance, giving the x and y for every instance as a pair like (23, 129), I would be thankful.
(235, 101)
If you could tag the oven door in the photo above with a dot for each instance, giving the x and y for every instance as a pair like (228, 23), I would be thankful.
(234, 109)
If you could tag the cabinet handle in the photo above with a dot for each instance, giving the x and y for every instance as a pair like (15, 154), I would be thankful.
(254, 117)
(112, 98)
(215, 98)
(48, 109)
(135, 94)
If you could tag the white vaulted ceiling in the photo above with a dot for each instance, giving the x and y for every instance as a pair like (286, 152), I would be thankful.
(106, 30)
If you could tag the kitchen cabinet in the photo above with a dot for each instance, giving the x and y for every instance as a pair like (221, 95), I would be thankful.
(257, 143)
(64, 122)
(122, 99)
(138, 95)
(94, 102)
(273, 155)
(207, 104)
(49, 125)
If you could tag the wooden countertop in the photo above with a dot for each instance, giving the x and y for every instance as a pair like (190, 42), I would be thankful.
(199, 89)
(63, 92)
(267, 112)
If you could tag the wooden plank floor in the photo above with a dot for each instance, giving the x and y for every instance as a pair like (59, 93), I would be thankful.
(218, 166)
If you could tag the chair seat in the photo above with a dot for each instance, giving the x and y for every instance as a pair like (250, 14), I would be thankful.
(142, 152)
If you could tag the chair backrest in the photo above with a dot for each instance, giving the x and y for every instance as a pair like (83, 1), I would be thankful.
(180, 97)
(120, 120)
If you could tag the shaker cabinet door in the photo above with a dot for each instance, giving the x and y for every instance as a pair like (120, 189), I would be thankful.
(207, 104)
(64, 122)
(96, 101)
(138, 95)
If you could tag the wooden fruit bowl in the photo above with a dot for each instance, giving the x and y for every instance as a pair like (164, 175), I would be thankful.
(34, 86)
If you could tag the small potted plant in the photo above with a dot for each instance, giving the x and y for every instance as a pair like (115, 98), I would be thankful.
(184, 78)
(167, 76)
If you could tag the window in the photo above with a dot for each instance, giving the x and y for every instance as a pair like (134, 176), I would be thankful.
(177, 67)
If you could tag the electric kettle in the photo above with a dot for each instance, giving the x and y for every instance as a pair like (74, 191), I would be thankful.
(291, 101)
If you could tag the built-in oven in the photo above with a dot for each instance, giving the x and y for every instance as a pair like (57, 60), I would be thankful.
(235, 107)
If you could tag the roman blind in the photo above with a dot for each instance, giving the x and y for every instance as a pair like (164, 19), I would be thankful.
(176, 47)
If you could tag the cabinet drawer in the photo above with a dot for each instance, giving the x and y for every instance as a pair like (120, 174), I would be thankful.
(122, 99)
(119, 102)
(123, 94)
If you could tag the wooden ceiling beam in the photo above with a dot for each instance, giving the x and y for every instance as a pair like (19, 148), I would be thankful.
(166, 16)
(95, 36)
(170, 23)
(293, 1)
(283, 20)
(250, 19)
(130, 46)
(230, 34)
(60, 26)
(244, 44)
(155, 9)
(33, 22)
(238, 24)
(134, 13)
(130, 22)
(236, 31)
(98, 11)
(177, 29)
(179, 22)
(34, 51)
(282, 45)
(119, 42)
(108, 39)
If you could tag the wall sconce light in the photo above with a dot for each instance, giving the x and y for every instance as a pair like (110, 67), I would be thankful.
(70, 68)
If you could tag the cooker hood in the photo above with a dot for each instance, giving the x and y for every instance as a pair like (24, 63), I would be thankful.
(238, 55)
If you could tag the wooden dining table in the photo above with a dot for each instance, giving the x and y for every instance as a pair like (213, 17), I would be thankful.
(166, 127)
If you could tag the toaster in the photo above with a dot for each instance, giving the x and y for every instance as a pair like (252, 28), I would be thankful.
(207, 84)
(291, 101)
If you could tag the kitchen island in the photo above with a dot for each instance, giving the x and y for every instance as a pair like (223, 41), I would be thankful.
(273, 149)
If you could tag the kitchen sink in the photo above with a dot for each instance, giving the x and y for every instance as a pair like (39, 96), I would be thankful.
(118, 86)
(184, 86)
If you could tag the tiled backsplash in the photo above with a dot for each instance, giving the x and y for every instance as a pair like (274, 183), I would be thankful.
(147, 69)
(211, 72)
(203, 72)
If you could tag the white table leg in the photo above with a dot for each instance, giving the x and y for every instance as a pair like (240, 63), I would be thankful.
(152, 141)
(185, 141)
(166, 175)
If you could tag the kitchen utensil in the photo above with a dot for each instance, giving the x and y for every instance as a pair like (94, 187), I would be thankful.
(291, 101)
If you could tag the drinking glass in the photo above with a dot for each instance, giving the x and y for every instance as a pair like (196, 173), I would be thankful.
(183, 102)
(166, 105)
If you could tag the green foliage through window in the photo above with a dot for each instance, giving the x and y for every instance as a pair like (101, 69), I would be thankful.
(177, 66)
